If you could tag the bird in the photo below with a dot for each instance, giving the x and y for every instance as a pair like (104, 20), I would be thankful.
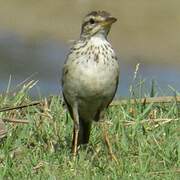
(90, 76)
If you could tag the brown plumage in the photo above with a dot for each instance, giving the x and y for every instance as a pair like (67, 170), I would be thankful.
(90, 75)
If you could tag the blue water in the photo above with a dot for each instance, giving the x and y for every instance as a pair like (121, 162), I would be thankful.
(44, 58)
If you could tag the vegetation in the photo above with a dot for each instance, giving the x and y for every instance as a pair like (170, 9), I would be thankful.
(145, 139)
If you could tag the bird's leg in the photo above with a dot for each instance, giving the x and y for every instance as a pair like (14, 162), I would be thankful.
(76, 130)
(106, 139)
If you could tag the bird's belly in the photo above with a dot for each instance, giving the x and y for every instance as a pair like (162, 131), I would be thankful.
(89, 107)
(95, 80)
(95, 87)
(92, 85)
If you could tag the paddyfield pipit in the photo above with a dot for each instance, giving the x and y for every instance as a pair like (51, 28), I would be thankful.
(90, 75)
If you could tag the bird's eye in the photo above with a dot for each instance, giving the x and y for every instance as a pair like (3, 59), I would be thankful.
(91, 21)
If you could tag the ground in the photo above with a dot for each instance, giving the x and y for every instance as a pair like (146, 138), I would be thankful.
(145, 139)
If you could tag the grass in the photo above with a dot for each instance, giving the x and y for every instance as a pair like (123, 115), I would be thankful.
(145, 139)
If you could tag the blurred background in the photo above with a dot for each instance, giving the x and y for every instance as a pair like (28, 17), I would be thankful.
(35, 36)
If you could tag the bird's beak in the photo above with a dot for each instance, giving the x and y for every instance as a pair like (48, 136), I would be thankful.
(108, 21)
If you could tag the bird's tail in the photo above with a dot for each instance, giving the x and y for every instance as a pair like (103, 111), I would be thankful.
(84, 132)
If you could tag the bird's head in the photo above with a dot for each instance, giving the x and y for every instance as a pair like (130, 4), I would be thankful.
(97, 22)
